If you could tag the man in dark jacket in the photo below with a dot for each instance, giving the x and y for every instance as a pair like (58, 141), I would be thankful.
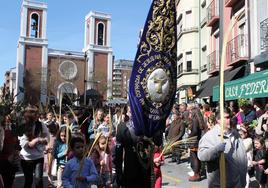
(133, 174)
(176, 132)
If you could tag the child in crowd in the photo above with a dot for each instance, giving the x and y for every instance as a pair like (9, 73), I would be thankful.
(247, 141)
(69, 120)
(104, 128)
(60, 151)
(79, 172)
(260, 161)
(158, 162)
(49, 159)
(102, 159)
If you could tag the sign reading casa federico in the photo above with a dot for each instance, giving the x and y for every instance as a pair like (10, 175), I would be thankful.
(252, 86)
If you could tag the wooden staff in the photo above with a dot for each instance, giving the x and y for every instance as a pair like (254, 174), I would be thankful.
(56, 116)
(60, 108)
(222, 120)
(71, 110)
(110, 129)
(94, 130)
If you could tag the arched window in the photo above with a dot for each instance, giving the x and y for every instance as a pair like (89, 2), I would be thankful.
(34, 25)
(101, 34)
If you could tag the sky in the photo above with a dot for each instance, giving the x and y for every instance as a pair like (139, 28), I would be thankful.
(65, 26)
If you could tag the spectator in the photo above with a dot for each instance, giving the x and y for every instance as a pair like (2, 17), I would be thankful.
(33, 143)
(210, 148)
(9, 152)
(176, 132)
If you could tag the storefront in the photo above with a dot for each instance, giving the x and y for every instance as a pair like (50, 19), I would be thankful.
(206, 89)
(252, 86)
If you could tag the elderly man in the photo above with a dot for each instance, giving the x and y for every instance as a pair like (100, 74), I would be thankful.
(210, 148)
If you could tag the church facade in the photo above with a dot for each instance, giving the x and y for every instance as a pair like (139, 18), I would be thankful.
(45, 75)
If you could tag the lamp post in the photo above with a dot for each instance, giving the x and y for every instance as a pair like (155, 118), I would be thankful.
(85, 79)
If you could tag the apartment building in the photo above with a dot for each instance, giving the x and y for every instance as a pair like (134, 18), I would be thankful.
(10, 81)
(121, 74)
(218, 20)
(188, 49)
(259, 33)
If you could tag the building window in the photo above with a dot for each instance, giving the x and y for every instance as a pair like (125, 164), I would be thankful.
(179, 23)
(179, 69)
(188, 17)
(188, 61)
(180, 65)
(189, 66)
(101, 34)
(34, 25)
(203, 5)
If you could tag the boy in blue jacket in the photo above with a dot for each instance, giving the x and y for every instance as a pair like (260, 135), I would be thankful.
(72, 175)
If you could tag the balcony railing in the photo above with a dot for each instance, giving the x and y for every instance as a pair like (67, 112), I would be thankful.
(264, 35)
(213, 13)
(230, 3)
(182, 31)
(237, 49)
(213, 62)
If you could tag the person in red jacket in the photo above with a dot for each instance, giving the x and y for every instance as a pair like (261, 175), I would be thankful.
(158, 162)
(9, 152)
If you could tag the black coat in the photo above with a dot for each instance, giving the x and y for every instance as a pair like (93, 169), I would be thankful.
(132, 175)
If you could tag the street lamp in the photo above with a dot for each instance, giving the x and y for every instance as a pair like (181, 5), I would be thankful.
(85, 79)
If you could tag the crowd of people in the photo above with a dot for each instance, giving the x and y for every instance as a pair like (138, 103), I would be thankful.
(80, 147)
(244, 142)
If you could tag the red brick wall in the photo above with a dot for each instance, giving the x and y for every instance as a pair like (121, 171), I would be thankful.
(100, 73)
(33, 72)
(40, 12)
(55, 79)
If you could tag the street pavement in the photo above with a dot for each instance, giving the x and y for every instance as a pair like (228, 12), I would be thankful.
(174, 176)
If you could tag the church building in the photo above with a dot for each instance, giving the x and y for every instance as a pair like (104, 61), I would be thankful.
(45, 74)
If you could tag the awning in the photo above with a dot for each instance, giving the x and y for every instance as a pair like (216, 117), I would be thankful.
(206, 89)
(262, 59)
(252, 86)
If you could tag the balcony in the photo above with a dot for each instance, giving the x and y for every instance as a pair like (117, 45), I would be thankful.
(264, 35)
(213, 13)
(230, 3)
(187, 72)
(182, 31)
(237, 50)
(213, 62)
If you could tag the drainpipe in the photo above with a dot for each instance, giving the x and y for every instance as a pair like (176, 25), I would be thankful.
(247, 14)
(199, 33)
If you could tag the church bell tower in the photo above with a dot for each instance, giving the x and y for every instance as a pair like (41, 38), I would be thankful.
(32, 54)
(97, 46)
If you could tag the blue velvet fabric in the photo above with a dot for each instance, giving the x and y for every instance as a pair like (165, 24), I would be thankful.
(157, 50)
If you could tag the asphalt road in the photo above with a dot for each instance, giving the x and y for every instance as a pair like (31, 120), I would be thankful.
(174, 175)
